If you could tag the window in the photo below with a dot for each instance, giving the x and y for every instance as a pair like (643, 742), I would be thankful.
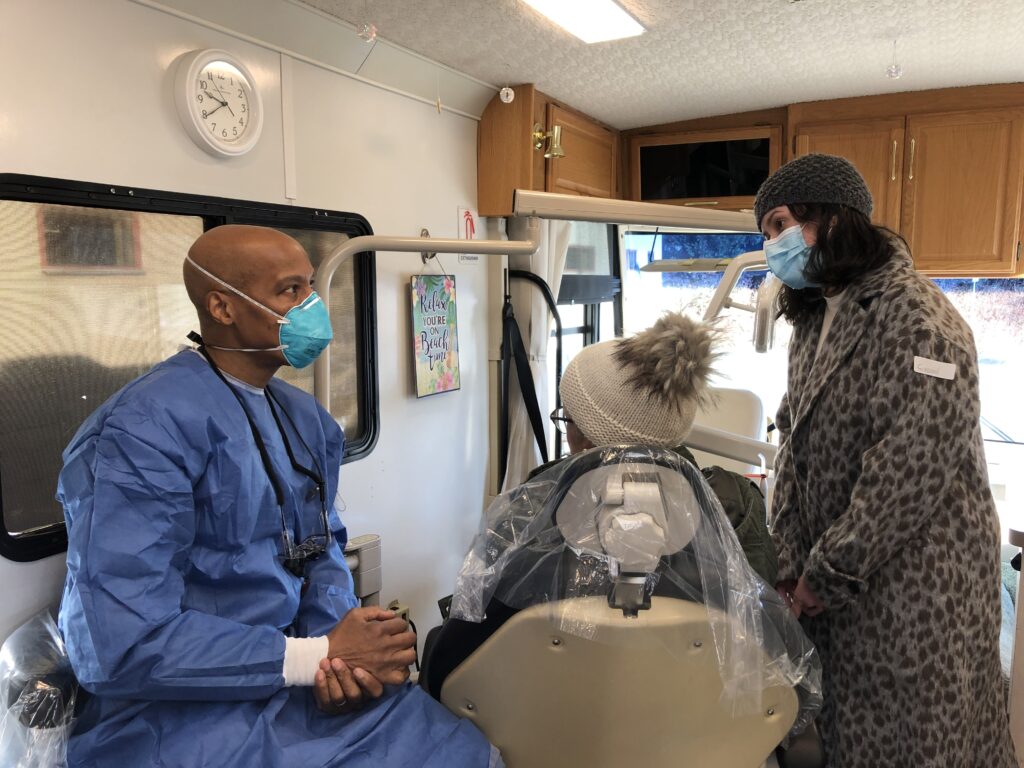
(647, 295)
(92, 297)
(993, 308)
(348, 346)
(589, 298)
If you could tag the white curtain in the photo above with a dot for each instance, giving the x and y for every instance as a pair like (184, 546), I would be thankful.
(535, 325)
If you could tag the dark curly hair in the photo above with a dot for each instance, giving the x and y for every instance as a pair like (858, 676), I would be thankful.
(848, 247)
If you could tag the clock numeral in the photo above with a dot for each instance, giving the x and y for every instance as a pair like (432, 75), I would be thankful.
(234, 131)
(213, 128)
(204, 114)
(202, 84)
(242, 108)
(210, 75)
(240, 94)
(220, 75)
(199, 96)
(224, 133)
(241, 121)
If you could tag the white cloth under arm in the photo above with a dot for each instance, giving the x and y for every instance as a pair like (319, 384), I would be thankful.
(302, 658)
(832, 304)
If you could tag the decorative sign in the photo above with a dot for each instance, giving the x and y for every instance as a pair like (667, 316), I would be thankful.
(435, 334)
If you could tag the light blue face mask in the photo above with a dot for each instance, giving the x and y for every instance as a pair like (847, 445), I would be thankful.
(787, 257)
(305, 330)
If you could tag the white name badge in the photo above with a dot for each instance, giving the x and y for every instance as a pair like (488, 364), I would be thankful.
(934, 368)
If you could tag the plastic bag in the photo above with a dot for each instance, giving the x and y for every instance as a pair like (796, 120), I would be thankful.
(38, 692)
(627, 523)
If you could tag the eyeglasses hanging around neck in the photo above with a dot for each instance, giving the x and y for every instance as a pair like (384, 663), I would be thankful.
(295, 556)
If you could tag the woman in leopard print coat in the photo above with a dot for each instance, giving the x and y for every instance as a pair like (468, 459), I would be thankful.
(886, 530)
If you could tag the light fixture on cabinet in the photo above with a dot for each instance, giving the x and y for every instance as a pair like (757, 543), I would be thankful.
(554, 140)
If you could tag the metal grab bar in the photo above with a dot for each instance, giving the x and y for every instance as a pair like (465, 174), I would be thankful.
(325, 274)
(736, 447)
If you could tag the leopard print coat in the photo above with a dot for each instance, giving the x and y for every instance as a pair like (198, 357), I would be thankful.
(882, 503)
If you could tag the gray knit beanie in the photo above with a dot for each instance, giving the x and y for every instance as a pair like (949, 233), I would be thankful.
(644, 389)
(813, 179)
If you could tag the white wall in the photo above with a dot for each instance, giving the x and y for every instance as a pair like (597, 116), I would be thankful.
(85, 94)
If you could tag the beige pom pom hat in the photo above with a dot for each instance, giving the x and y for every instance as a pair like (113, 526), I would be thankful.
(644, 389)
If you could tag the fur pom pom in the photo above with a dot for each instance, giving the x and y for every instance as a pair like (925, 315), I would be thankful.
(672, 360)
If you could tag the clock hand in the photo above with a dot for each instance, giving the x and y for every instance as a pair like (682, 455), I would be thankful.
(224, 102)
(214, 110)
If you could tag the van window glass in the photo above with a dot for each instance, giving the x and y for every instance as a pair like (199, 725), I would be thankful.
(347, 346)
(92, 297)
(78, 326)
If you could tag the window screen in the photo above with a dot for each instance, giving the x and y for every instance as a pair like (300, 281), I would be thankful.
(91, 296)
(73, 338)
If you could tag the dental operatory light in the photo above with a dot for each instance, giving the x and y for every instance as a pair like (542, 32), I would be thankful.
(895, 70)
(592, 21)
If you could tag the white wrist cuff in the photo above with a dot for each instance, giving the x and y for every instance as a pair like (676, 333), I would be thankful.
(302, 658)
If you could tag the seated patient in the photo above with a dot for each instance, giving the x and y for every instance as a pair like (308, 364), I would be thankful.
(646, 389)
(208, 609)
(638, 391)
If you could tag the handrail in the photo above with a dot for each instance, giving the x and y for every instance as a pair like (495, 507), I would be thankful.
(730, 446)
(737, 266)
(325, 274)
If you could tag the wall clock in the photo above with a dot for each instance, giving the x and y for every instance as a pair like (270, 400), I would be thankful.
(218, 102)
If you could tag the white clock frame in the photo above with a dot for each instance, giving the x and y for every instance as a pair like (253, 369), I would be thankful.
(190, 112)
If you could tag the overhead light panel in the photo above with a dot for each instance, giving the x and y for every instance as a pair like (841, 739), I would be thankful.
(592, 21)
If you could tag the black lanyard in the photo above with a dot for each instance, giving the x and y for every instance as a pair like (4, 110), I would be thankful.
(295, 557)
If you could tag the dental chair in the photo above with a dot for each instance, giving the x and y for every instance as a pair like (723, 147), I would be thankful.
(606, 616)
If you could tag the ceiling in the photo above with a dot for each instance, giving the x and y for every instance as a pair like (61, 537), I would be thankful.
(711, 57)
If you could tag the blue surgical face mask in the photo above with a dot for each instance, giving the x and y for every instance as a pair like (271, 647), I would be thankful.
(787, 257)
(305, 330)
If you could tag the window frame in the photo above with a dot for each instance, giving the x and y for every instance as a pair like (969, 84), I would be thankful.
(44, 541)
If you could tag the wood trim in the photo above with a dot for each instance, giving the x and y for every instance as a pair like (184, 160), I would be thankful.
(776, 116)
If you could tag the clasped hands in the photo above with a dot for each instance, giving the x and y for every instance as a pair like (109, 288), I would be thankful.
(368, 649)
(799, 598)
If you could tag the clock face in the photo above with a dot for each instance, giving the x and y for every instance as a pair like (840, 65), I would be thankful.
(223, 102)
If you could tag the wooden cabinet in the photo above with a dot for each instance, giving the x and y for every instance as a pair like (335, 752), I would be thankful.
(875, 147)
(720, 168)
(950, 183)
(962, 191)
(590, 165)
(507, 159)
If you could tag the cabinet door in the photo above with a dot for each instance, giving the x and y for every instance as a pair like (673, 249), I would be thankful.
(590, 165)
(962, 191)
(875, 147)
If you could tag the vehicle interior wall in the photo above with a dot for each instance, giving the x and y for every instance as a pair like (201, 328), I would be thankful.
(98, 107)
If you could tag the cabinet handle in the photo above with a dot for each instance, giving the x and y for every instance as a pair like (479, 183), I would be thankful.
(703, 202)
(912, 147)
(892, 173)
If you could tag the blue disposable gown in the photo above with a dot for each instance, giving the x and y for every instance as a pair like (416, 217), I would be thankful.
(176, 604)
